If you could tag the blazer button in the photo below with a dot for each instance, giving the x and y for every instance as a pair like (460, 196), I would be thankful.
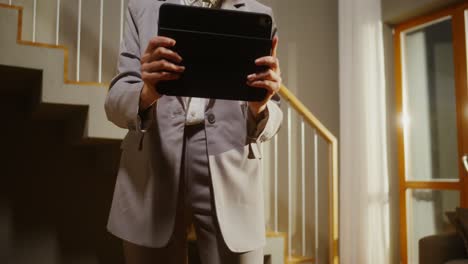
(211, 118)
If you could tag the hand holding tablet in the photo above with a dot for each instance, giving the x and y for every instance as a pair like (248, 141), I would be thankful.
(158, 63)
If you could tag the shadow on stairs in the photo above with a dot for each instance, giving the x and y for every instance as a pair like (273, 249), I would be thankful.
(55, 191)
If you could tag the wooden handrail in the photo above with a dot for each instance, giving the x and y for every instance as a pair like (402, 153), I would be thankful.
(305, 112)
(333, 211)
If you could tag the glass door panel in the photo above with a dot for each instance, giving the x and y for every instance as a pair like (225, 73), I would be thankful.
(429, 103)
(426, 216)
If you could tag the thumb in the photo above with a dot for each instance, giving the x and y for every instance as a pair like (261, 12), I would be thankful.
(274, 46)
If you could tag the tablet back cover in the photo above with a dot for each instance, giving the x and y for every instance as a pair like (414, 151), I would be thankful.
(219, 49)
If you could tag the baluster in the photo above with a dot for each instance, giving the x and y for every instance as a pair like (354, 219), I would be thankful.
(101, 22)
(316, 195)
(34, 21)
(303, 173)
(78, 44)
(57, 24)
(276, 180)
(289, 182)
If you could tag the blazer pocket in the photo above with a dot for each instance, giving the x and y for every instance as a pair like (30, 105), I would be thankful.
(133, 169)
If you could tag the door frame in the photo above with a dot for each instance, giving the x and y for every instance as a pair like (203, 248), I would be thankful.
(457, 13)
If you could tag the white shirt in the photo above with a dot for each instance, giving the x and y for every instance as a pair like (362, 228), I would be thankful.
(202, 3)
(194, 110)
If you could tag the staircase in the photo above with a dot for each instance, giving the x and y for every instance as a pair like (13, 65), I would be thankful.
(43, 109)
(52, 61)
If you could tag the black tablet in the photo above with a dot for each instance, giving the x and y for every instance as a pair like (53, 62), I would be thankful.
(219, 49)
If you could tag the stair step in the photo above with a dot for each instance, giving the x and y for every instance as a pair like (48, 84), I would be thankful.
(299, 259)
(292, 259)
(275, 248)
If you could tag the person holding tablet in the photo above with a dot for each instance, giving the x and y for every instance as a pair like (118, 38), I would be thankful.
(187, 160)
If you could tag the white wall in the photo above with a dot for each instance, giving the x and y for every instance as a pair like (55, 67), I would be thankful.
(308, 50)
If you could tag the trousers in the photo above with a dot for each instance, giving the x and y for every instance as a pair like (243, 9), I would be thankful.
(195, 205)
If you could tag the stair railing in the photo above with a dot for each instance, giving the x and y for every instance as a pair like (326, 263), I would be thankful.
(308, 239)
(319, 131)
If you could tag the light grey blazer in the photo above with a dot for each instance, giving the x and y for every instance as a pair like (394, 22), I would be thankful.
(144, 203)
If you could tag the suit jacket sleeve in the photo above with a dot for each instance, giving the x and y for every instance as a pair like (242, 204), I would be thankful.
(266, 128)
(123, 98)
